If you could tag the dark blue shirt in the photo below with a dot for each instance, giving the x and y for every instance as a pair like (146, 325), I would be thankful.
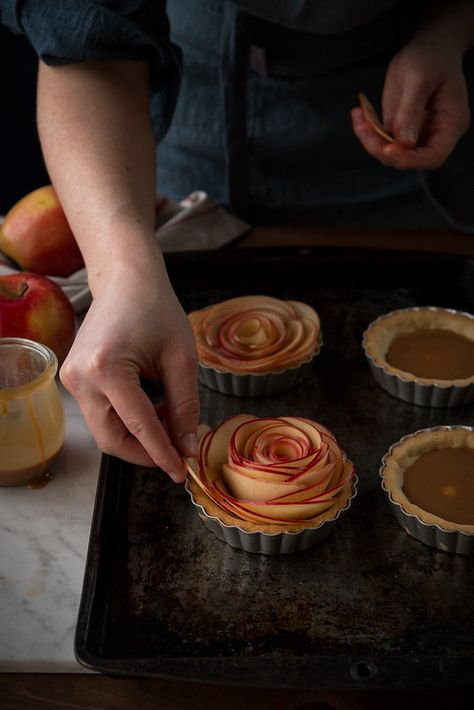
(63, 31)
(285, 138)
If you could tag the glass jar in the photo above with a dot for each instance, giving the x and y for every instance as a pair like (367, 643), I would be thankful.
(31, 411)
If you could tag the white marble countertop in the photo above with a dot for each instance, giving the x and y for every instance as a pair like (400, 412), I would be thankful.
(44, 535)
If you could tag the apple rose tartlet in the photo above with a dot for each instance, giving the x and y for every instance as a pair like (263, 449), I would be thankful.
(271, 485)
(255, 345)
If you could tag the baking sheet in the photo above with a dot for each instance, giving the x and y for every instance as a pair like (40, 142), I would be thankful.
(370, 606)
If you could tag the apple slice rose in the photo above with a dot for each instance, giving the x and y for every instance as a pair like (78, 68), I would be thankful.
(283, 470)
(254, 334)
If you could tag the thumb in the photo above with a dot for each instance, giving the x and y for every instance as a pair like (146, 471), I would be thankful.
(410, 114)
(182, 403)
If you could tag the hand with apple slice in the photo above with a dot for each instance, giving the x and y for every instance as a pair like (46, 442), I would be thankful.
(99, 148)
(425, 103)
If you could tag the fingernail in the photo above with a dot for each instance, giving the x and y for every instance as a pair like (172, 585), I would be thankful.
(189, 444)
(177, 477)
(408, 135)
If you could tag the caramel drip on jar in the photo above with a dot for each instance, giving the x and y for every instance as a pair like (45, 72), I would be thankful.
(45, 477)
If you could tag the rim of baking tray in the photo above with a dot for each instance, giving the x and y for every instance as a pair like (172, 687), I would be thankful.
(386, 456)
(400, 374)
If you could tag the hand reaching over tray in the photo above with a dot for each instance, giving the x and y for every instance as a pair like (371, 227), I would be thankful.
(135, 326)
(134, 329)
(425, 98)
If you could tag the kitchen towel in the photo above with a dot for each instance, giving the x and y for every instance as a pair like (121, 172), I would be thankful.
(195, 223)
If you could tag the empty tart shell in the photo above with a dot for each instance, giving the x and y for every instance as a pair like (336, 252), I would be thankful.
(410, 387)
(430, 528)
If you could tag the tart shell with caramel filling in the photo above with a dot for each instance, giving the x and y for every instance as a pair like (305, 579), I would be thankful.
(383, 333)
(423, 355)
(429, 477)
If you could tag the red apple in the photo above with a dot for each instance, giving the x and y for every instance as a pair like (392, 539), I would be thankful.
(34, 307)
(37, 236)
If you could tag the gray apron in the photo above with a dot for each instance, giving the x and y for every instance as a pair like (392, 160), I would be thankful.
(262, 121)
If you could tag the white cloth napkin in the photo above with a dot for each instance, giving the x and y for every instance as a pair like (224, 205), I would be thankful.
(195, 223)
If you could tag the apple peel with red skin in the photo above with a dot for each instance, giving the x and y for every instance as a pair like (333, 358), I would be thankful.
(255, 334)
(283, 470)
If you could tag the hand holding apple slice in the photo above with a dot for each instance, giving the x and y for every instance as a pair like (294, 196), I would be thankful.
(283, 470)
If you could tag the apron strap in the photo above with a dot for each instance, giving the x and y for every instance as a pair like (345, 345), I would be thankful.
(233, 66)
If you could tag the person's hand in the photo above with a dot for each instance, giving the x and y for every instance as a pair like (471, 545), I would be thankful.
(136, 327)
(424, 105)
(96, 133)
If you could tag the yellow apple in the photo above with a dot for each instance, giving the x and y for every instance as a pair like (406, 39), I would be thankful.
(37, 236)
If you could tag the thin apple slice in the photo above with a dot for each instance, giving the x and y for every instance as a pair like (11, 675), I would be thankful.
(258, 431)
(304, 494)
(216, 451)
(371, 116)
(247, 488)
(319, 478)
(291, 511)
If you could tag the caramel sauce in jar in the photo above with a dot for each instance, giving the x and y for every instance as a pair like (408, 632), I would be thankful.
(31, 412)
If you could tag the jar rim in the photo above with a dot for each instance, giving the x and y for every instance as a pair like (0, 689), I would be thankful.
(48, 356)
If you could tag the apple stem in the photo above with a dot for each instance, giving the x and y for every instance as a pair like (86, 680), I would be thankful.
(13, 294)
(23, 289)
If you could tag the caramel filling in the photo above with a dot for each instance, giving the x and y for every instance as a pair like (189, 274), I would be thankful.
(441, 482)
(433, 354)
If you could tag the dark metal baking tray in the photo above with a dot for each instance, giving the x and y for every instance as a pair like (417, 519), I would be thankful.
(370, 606)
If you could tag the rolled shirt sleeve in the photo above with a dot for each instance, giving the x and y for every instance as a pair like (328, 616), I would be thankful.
(65, 31)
